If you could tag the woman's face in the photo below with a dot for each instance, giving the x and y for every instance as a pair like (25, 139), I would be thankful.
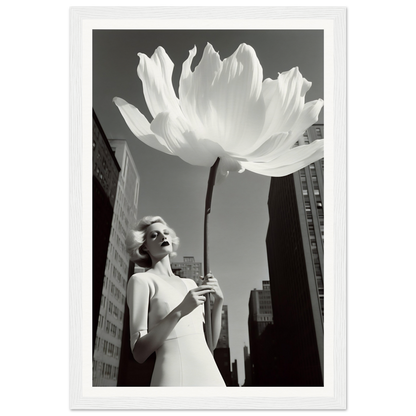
(158, 241)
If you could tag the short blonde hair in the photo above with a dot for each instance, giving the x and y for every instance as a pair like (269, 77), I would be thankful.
(137, 236)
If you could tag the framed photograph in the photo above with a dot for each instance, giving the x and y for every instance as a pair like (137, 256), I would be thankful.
(190, 113)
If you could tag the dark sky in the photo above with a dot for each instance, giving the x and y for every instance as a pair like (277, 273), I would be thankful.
(176, 190)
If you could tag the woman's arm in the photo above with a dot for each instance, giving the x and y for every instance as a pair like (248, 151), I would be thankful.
(216, 314)
(145, 342)
(151, 341)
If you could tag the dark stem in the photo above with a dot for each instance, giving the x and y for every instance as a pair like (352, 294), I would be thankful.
(208, 199)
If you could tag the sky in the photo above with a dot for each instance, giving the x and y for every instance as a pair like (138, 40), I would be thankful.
(175, 190)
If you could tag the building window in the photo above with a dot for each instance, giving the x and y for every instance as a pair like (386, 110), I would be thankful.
(113, 330)
(107, 371)
(101, 321)
(110, 350)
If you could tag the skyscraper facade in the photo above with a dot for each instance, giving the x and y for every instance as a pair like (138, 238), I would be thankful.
(247, 368)
(295, 251)
(222, 349)
(113, 298)
(188, 268)
(260, 322)
(105, 178)
(234, 374)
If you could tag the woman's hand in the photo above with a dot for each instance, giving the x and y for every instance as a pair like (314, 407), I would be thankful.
(216, 311)
(212, 282)
(193, 299)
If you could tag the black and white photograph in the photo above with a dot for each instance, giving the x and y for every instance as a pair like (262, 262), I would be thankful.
(206, 269)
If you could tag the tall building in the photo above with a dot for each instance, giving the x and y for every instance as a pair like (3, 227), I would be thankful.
(113, 298)
(260, 322)
(295, 250)
(247, 367)
(188, 268)
(105, 178)
(222, 349)
(224, 340)
(234, 374)
(260, 308)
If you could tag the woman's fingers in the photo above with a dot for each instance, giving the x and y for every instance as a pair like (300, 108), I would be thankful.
(200, 292)
(207, 277)
(211, 281)
(203, 288)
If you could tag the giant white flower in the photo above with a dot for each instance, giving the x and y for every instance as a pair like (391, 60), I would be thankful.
(227, 115)
(225, 110)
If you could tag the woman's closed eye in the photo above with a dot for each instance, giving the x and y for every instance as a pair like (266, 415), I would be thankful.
(156, 234)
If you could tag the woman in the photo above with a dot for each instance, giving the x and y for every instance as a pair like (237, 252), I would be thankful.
(166, 312)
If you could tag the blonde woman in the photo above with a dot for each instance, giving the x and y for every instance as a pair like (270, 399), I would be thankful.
(167, 313)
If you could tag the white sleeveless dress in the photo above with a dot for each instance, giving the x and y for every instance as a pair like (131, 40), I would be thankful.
(184, 359)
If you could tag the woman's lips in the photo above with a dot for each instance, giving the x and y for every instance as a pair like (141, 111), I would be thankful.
(165, 243)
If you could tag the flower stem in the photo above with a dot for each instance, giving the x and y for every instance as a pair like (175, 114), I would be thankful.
(208, 199)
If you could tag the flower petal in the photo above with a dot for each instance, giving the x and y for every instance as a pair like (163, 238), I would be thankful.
(236, 96)
(284, 99)
(156, 75)
(139, 125)
(223, 99)
(193, 87)
(227, 164)
(281, 142)
(266, 152)
(289, 162)
(309, 116)
(183, 142)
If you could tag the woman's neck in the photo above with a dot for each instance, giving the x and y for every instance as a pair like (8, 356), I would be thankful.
(162, 267)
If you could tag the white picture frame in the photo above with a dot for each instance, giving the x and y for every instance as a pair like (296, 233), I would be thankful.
(81, 19)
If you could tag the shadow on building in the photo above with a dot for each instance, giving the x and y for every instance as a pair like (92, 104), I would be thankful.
(295, 258)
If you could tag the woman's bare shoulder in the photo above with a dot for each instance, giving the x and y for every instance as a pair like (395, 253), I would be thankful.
(142, 282)
(138, 278)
